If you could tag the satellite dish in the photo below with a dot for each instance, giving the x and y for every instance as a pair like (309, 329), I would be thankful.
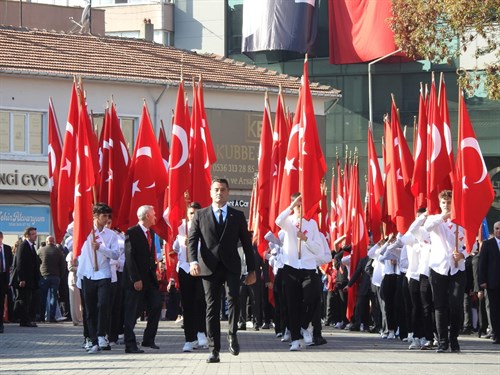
(84, 19)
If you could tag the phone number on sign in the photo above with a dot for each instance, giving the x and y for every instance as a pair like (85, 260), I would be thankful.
(233, 168)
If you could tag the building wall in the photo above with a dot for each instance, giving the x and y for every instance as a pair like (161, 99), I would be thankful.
(130, 17)
(200, 25)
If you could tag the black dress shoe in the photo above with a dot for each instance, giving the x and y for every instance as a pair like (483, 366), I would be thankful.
(242, 327)
(234, 346)
(442, 348)
(28, 324)
(496, 341)
(213, 357)
(150, 345)
(318, 340)
(134, 350)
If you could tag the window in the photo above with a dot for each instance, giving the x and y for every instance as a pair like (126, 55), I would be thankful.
(22, 133)
(129, 127)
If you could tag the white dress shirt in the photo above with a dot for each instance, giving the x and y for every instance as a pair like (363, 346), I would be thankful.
(117, 265)
(179, 246)
(378, 267)
(108, 249)
(310, 249)
(442, 236)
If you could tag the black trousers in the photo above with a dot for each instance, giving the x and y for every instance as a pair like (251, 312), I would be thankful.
(389, 289)
(494, 297)
(24, 305)
(84, 314)
(280, 312)
(4, 289)
(448, 296)
(115, 322)
(427, 307)
(341, 299)
(317, 306)
(416, 315)
(148, 298)
(97, 297)
(213, 285)
(254, 293)
(301, 296)
(193, 305)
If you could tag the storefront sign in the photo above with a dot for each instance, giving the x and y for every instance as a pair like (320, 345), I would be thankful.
(15, 219)
(24, 176)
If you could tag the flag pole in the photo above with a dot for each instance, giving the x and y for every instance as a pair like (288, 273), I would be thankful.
(96, 264)
(455, 250)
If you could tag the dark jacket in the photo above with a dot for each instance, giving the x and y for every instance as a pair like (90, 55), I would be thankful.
(26, 266)
(139, 259)
(220, 245)
(489, 264)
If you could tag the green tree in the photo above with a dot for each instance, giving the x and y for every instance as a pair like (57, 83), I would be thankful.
(440, 30)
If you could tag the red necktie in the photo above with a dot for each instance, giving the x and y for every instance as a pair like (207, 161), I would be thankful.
(148, 235)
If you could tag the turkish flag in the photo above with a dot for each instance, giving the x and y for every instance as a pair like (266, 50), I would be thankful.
(419, 178)
(438, 177)
(290, 181)
(201, 176)
(375, 190)
(354, 25)
(252, 211)
(54, 155)
(204, 123)
(400, 202)
(84, 182)
(445, 116)
(359, 240)
(147, 179)
(333, 230)
(66, 184)
(92, 136)
(311, 160)
(473, 192)
(164, 149)
(179, 173)
(264, 177)
(341, 206)
(323, 222)
(115, 160)
(279, 149)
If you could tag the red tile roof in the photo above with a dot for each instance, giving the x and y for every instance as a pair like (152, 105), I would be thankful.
(40, 52)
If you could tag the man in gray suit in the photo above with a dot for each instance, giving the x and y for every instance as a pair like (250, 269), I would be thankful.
(218, 228)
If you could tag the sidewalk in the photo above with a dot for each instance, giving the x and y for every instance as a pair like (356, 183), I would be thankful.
(55, 349)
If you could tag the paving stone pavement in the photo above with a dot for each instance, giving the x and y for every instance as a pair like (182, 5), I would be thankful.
(55, 349)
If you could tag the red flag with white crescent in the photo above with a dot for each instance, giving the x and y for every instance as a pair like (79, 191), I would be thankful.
(473, 192)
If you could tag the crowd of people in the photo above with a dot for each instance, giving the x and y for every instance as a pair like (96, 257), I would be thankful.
(421, 286)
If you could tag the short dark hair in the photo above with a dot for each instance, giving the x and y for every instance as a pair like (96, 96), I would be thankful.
(28, 230)
(221, 181)
(421, 210)
(295, 195)
(101, 208)
(445, 194)
(194, 205)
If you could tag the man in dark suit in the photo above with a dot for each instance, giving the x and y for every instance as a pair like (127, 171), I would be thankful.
(140, 282)
(218, 228)
(25, 277)
(489, 277)
(5, 264)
